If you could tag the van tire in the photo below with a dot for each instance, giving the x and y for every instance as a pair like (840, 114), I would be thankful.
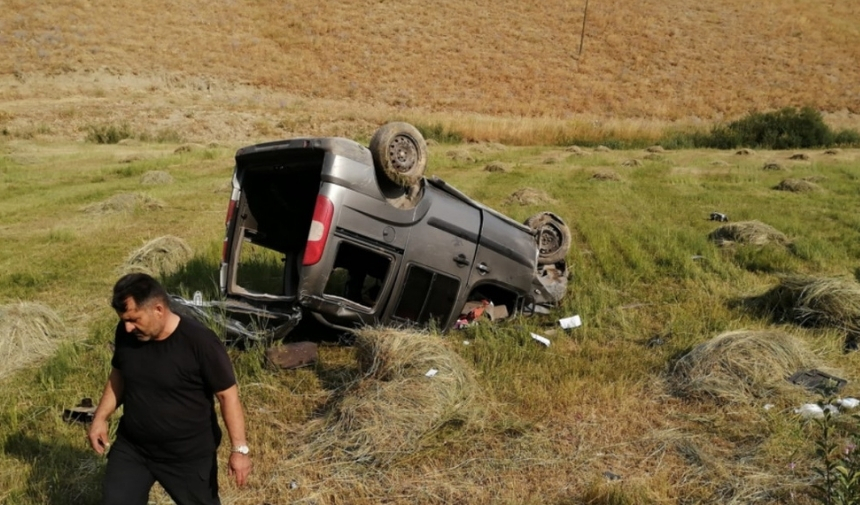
(552, 238)
(399, 153)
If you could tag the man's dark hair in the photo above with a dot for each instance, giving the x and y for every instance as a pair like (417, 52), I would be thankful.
(142, 288)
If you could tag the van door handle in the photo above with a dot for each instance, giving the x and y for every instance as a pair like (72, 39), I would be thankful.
(461, 260)
(483, 268)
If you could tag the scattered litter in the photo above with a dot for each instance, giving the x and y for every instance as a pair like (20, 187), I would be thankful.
(611, 476)
(537, 309)
(719, 216)
(816, 380)
(466, 342)
(198, 298)
(542, 340)
(570, 322)
(431, 373)
(81, 413)
(697, 257)
(768, 406)
(294, 484)
(848, 403)
(810, 411)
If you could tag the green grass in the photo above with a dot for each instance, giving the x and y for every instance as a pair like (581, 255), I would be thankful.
(592, 402)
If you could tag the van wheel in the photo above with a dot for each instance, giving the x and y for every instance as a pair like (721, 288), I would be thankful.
(399, 153)
(553, 237)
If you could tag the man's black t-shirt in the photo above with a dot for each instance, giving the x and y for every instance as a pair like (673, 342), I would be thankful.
(168, 390)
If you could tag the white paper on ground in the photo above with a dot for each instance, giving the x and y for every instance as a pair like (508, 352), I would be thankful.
(432, 372)
(570, 322)
(542, 340)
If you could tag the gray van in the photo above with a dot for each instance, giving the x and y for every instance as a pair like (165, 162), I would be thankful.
(352, 235)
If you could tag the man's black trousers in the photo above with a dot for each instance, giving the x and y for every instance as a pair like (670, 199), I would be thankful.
(130, 476)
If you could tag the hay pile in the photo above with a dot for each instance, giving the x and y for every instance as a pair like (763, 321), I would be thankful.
(28, 331)
(460, 155)
(156, 177)
(748, 232)
(745, 152)
(606, 175)
(772, 165)
(655, 149)
(797, 186)
(602, 149)
(393, 405)
(496, 166)
(799, 156)
(124, 202)
(160, 256)
(632, 163)
(528, 196)
(741, 366)
(816, 301)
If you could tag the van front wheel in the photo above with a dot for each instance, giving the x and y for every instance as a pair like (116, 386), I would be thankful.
(399, 153)
(553, 237)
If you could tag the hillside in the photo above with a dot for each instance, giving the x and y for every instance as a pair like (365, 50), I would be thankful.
(282, 63)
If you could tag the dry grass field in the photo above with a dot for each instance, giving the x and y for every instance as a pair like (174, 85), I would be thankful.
(672, 391)
(503, 70)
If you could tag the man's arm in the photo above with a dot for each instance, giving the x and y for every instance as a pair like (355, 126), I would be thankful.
(111, 397)
(231, 410)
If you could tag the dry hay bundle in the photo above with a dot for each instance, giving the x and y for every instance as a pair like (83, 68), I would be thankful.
(496, 166)
(745, 152)
(741, 366)
(633, 162)
(576, 150)
(816, 301)
(124, 202)
(460, 155)
(748, 232)
(394, 404)
(797, 186)
(832, 151)
(528, 196)
(606, 175)
(799, 156)
(655, 149)
(602, 149)
(160, 256)
(28, 331)
(187, 148)
(156, 177)
(772, 165)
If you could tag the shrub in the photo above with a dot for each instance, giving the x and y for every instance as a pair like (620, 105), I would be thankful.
(108, 134)
(787, 128)
(439, 133)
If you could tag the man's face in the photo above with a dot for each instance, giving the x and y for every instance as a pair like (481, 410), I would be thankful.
(145, 322)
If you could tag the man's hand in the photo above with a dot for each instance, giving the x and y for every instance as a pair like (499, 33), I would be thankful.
(240, 466)
(98, 435)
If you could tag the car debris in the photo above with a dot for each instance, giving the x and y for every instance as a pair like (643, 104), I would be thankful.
(83, 412)
(326, 229)
(818, 381)
(719, 216)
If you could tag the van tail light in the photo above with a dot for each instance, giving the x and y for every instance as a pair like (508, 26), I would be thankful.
(231, 210)
(320, 226)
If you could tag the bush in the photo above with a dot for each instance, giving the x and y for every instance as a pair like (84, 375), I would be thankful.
(787, 128)
(108, 134)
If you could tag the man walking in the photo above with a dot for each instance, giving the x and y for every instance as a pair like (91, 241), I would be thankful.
(166, 369)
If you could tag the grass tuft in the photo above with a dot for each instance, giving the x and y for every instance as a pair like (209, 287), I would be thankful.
(748, 232)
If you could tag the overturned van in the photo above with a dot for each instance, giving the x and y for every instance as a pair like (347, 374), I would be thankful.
(353, 235)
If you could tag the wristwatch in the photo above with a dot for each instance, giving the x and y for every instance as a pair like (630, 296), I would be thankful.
(242, 449)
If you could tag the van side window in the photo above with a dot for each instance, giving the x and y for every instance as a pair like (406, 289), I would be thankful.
(427, 295)
(358, 274)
